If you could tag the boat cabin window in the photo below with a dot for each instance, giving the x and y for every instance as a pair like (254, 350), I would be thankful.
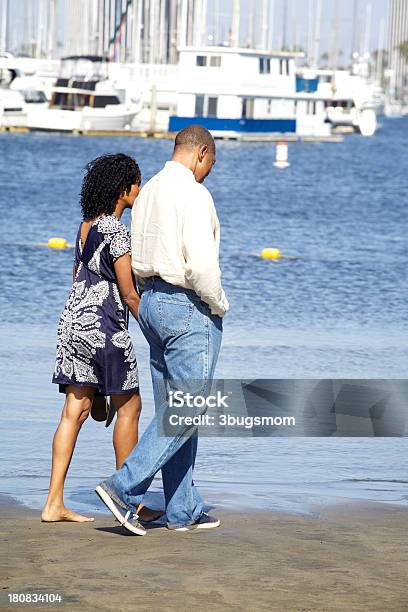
(208, 60)
(62, 100)
(212, 107)
(284, 67)
(102, 101)
(199, 106)
(343, 104)
(62, 82)
(81, 100)
(206, 106)
(247, 108)
(311, 107)
(264, 65)
(34, 97)
(83, 84)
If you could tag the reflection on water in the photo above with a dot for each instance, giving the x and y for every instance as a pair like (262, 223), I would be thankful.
(337, 311)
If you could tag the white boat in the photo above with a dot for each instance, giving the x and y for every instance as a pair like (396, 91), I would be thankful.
(12, 109)
(349, 100)
(84, 99)
(25, 92)
(234, 91)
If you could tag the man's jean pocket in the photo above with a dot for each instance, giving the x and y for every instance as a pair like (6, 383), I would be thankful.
(175, 315)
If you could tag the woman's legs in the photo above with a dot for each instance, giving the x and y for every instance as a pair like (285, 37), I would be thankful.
(77, 405)
(126, 430)
(126, 435)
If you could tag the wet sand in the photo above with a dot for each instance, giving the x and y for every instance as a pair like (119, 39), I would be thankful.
(348, 558)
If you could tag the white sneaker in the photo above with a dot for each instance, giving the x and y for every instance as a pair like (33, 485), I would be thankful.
(206, 521)
(127, 518)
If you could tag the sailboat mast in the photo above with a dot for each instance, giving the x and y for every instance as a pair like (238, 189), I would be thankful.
(251, 24)
(271, 23)
(367, 31)
(162, 30)
(334, 37)
(316, 46)
(236, 9)
(204, 37)
(52, 29)
(310, 32)
(4, 19)
(183, 24)
(38, 43)
(216, 26)
(355, 39)
(265, 34)
(380, 54)
(285, 25)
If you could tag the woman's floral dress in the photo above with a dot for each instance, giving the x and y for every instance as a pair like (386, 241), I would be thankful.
(94, 347)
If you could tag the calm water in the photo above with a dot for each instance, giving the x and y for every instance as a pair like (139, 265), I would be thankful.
(340, 310)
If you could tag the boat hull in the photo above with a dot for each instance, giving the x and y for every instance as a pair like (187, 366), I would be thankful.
(226, 126)
(59, 120)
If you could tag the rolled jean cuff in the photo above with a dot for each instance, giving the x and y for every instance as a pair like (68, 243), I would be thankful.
(178, 525)
(196, 515)
(118, 500)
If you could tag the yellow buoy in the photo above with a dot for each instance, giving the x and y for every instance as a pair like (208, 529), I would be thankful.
(57, 243)
(271, 253)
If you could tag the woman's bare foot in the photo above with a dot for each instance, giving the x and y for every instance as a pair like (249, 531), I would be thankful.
(54, 514)
(148, 515)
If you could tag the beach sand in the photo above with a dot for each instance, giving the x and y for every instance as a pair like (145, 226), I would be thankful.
(347, 558)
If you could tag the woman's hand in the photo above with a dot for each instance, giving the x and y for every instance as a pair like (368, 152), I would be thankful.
(126, 283)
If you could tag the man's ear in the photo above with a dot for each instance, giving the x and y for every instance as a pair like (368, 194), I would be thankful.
(202, 152)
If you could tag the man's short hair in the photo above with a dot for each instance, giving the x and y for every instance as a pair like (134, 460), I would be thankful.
(194, 136)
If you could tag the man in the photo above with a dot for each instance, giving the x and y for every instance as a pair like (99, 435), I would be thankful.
(175, 244)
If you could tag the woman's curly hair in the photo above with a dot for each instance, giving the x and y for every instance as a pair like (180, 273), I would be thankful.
(106, 178)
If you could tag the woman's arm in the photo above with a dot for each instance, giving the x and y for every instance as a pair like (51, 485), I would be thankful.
(126, 283)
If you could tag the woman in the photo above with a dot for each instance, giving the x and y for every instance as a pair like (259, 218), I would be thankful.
(94, 349)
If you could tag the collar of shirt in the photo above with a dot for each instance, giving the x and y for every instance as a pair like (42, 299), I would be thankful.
(178, 167)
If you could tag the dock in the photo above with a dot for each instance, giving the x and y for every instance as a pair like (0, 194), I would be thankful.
(269, 137)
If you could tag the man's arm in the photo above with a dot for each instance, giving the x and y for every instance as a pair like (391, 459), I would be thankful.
(200, 252)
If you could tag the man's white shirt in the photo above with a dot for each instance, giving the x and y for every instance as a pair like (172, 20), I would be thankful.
(176, 235)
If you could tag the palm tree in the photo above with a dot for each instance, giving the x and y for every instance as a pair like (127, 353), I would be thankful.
(403, 49)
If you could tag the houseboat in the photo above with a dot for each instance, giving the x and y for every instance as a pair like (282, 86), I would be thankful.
(234, 91)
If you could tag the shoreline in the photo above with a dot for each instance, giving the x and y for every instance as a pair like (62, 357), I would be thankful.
(315, 509)
(352, 557)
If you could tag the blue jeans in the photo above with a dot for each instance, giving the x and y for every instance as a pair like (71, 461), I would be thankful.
(184, 339)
